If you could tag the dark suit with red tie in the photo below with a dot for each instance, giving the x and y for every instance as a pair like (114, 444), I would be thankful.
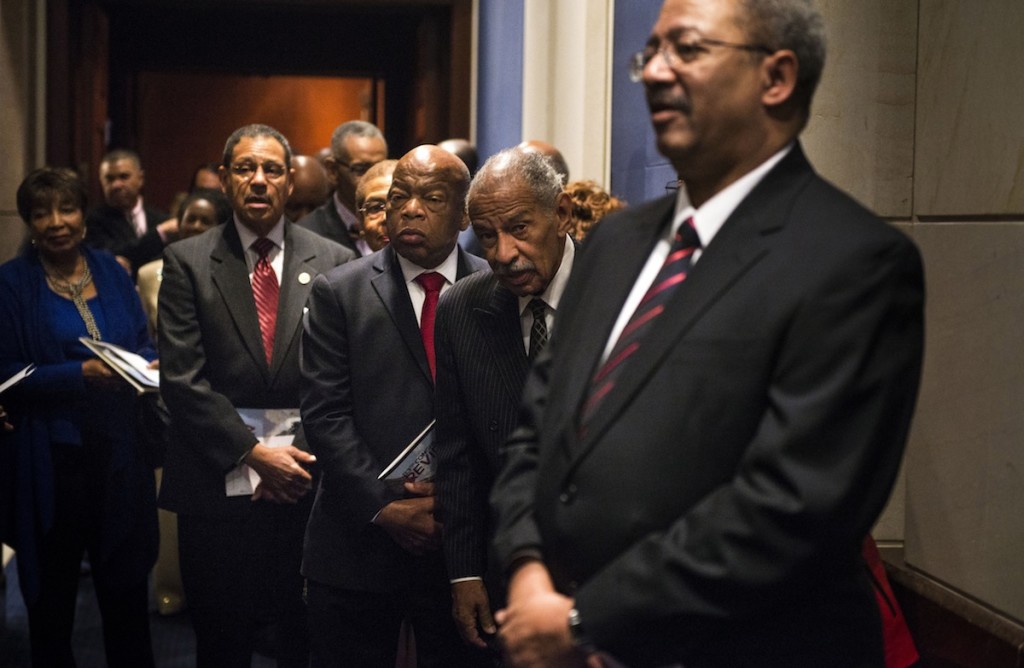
(712, 512)
(240, 558)
(368, 392)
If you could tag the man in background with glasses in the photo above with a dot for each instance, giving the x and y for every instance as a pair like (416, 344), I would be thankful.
(720, 416)
(355, 147)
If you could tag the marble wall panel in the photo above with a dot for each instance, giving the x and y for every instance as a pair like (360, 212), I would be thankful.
(965, 461)
(861, 132)
(970, 134)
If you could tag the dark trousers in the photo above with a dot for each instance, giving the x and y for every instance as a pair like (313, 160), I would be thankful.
(79, 475)
(360, 628)
(241, 576)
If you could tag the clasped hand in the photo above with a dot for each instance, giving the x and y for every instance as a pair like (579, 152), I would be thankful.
(410, 522)
(282, 477)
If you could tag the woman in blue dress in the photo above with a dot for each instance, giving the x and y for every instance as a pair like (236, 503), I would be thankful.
(72, 477)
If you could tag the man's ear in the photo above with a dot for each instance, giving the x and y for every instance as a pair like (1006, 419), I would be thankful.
(563, 212)
(779, 72)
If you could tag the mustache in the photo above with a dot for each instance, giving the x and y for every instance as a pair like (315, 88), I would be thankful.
(663, 98)
(513, 269)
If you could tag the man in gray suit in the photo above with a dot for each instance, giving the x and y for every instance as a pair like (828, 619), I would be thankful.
(230, 310)
(372, 553)
(489, 328)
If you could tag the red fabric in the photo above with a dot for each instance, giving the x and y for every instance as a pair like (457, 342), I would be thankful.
(265, 292)
(432, 283)
(900, 650)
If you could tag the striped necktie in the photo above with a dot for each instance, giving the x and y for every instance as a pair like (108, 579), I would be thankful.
(265, 292)
(672, 274)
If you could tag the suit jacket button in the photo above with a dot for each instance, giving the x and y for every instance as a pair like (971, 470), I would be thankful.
(493, 425)
(568, 494)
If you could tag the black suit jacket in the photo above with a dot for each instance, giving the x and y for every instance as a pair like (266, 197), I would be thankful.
(326, 222)
(367, 393)
(108, 228)
(212, 359)
(713, 513)
(481, 368)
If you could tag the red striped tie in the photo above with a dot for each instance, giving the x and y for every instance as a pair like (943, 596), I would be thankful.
(672, 274)
(265, 292)
(432, 283)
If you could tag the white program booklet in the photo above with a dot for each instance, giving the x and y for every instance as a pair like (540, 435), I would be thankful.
(415, 463)
(17, 378)
(272, 427)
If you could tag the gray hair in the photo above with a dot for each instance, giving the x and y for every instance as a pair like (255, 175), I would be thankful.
(252, 131)
(790, 24)
(353, 129)
(532, 168)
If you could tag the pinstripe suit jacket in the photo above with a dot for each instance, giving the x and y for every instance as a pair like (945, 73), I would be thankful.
(481, 368)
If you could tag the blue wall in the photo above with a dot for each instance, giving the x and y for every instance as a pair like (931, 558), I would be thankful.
(499, 122)
(638, 171)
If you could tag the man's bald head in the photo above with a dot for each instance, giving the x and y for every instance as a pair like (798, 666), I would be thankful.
(426, 205)
(553, 155)
(310, 187)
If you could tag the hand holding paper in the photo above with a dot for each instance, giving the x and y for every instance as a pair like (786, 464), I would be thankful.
(282, 477)
(410, 522)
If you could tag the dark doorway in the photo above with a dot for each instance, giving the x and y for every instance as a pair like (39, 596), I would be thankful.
(172, 79)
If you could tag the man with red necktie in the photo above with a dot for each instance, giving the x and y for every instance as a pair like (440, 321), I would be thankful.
(372, 556)
(716, 423)
(231, 303)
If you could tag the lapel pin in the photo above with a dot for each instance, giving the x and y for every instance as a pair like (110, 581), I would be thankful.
(304, 278)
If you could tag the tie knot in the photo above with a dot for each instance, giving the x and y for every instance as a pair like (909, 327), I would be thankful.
(686, 235)
(262, 246)
(538, 308)
(431, 281)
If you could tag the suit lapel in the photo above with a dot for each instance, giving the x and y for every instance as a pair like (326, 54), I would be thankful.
(606, 287)
(744, 240)
(296, 282)
(499, 320)
(389, 283)
(230, 275)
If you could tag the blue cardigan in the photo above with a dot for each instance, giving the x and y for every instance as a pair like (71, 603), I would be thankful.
(42, 410)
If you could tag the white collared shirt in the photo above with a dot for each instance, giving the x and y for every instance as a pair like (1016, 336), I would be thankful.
(138, 217)
(410, 270)
(551, 295)
(707, 220)
(276, 254)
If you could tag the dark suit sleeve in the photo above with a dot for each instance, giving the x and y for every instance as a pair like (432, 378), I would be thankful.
(327, 407)
(512, 495)
(462, 472)
(198, 409)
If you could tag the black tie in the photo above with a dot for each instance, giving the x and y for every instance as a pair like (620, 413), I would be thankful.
(539, 331)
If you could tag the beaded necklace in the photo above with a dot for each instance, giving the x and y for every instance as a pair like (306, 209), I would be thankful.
(75, 290)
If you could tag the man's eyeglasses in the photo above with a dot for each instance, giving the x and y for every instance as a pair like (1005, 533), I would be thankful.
(677, 54)
(357, 168)
(247, 170)
(373, 208)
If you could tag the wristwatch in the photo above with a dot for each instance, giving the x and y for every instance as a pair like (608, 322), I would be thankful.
(579, 636)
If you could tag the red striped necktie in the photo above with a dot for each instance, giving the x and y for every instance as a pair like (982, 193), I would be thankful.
(265, 292)
(672, 274)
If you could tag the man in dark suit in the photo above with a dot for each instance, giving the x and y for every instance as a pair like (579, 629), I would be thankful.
(487, 333)
(372, 553)
(728, 393)
(124, 225)
(225, 347)
(355, 147)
